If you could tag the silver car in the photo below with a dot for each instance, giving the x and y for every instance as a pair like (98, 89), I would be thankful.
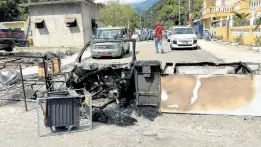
(110, 49)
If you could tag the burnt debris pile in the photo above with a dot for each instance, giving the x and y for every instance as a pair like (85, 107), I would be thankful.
(113, 93)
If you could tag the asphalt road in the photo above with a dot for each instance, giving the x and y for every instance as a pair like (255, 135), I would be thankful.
(146, 51)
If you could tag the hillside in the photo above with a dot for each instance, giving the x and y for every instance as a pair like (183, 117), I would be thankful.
(143, 6)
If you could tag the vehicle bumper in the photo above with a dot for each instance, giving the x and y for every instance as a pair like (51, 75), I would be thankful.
(20, 42)
(183, 46)
(7, 42)
(105, 53)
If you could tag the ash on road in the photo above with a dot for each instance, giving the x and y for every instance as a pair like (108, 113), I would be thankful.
(18, 128)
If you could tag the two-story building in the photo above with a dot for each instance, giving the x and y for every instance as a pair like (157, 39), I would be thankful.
(218, 16)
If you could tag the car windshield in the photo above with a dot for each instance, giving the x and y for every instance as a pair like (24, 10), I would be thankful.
(3, 27)
(108, 34)
(183, 31)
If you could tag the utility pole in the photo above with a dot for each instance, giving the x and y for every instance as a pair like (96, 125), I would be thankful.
(189, 6)
(140, 18)
(179, 13)
(189, 2)
(151, 16)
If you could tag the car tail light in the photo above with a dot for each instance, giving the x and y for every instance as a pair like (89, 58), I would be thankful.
(2, 34)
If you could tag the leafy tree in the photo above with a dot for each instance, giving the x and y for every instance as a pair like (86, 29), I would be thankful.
(9, 11)
(196, 7)
(115, 14)
(241, 18)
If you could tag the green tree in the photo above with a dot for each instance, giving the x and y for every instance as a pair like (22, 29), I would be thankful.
(196, 8)
(241, 19)
(115, 14)
(10, 11)
(167, 12)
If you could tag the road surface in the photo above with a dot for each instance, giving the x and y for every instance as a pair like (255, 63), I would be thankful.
(146, 51)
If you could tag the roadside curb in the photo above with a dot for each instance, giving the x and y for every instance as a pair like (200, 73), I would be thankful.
(214, 55)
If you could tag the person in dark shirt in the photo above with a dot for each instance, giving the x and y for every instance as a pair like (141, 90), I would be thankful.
(158, 37)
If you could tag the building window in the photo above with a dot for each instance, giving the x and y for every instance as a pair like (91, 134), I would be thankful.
(39, 23)
(70, 22)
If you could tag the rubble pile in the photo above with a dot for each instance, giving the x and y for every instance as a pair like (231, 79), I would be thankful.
(113, 93)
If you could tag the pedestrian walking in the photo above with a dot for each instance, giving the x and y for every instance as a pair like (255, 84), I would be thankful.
(158, 37)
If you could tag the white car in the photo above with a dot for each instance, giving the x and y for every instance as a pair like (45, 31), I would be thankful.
(183, 37)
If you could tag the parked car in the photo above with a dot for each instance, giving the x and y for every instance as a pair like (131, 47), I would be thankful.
(10, 38)
(183, 37)
(109, 49)
(153, 34)
(207, 35)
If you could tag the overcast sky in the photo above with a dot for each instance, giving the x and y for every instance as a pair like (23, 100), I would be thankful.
(125, 1)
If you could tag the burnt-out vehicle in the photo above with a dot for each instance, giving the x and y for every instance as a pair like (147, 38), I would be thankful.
(107, 83)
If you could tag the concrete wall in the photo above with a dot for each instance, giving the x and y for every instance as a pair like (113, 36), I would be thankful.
(56, 33)
(89, 12)
(248, 35)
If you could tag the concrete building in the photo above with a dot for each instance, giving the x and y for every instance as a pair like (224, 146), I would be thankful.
(59, 23)
(219, 17)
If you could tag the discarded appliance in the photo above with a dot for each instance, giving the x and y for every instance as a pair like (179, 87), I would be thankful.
(147, 82)
(64, 109)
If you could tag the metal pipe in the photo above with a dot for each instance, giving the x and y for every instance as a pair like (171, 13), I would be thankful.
(45, 74)
(21, 72)
(140, 19)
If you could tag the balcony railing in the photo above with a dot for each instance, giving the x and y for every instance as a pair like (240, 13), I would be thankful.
(255, 4)
(221, 9)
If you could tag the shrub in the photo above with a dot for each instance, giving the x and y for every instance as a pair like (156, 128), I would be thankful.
(258, 41)
(239, 39)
